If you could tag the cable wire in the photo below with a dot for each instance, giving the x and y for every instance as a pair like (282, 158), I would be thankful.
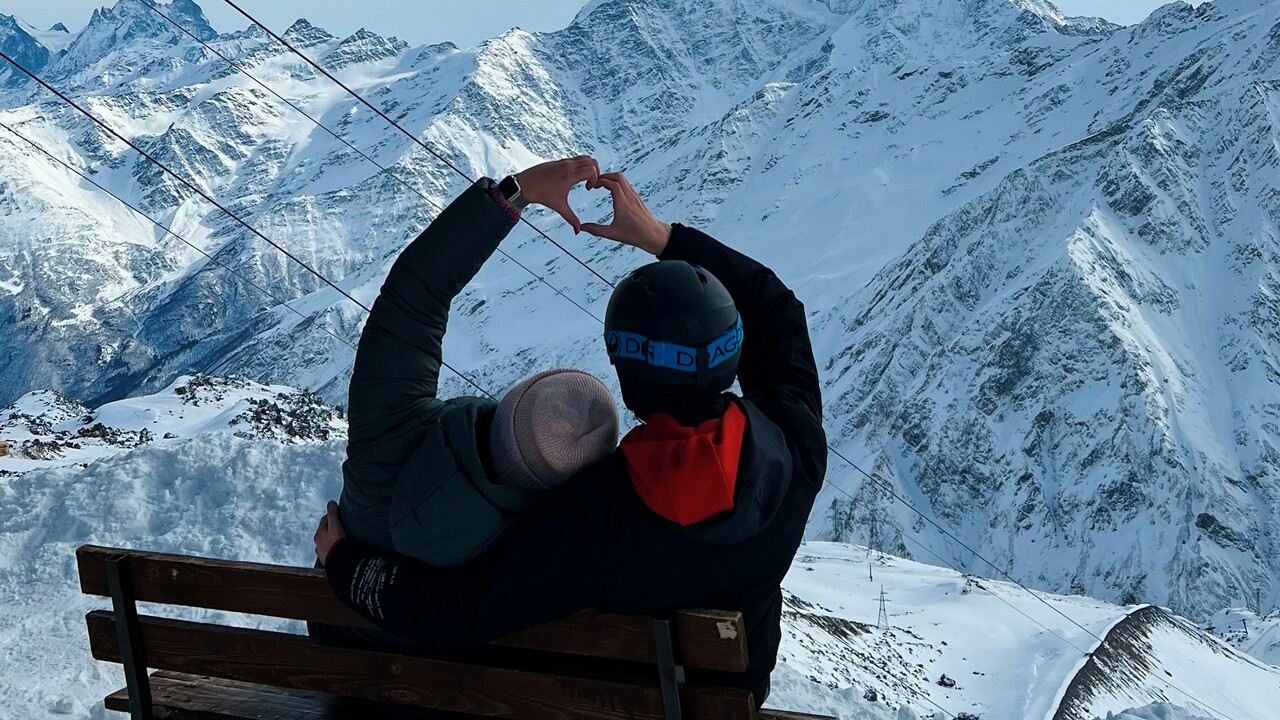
(874, 479)
(444, 160)
(167, 231)
(1011, 606)
(239, 67)
(406, 133)
(211, 201)
(884, 485)
(887, 488)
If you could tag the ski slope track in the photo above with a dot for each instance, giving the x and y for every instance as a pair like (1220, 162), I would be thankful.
(1041, 257)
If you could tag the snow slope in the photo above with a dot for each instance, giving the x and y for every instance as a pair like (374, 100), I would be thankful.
(1010, 655)
(215, 494)
(46, 430)
(250, 467)
(1154, 652)
(1157, 711)
(1244, 630)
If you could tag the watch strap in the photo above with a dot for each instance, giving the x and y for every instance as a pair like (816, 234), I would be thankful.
(510, 188)
(513, 212)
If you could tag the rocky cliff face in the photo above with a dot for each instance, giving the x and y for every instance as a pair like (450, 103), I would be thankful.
(1078, 368)
(1040, 253)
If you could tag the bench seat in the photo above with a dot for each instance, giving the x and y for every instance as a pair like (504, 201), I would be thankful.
(592, 666)
(195, 697)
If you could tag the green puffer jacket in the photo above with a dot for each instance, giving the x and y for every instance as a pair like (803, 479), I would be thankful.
(414, 481)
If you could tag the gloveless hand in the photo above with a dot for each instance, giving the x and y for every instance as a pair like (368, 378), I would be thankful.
(633, 223)
(329, 532)
(549, 183)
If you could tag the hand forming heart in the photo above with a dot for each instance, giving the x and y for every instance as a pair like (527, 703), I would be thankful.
(633, 223)
(549, 183)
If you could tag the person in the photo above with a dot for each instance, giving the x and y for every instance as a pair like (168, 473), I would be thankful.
(442, 480)
(704, 505)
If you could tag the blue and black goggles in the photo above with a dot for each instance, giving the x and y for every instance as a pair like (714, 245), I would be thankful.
(672, 356)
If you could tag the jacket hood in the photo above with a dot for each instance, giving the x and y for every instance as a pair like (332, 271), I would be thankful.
(719, 482)
(445, 509)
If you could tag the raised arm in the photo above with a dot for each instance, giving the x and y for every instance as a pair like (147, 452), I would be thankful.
(777, 369)
(397, 368)
(777, 356)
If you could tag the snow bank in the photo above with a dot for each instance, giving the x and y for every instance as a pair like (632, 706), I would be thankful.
(216, 495)
(1158, 711)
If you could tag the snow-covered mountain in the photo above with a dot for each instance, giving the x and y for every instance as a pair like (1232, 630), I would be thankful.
(1087, 353)
(1041, 254)
(45, 429)
(958, 644)
(1244, 630)
(229, 468)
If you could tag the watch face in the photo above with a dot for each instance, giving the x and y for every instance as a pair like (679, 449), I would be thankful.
(510, 188)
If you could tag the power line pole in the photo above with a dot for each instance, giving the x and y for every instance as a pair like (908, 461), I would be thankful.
(873, 543)
(875, 532)
(883, 619)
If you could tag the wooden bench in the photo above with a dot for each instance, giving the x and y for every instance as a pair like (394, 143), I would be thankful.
(592, 665)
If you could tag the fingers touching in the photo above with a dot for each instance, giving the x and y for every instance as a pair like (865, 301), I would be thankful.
(549, 184)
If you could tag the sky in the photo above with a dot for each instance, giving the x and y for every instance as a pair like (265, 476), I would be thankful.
(420, 22)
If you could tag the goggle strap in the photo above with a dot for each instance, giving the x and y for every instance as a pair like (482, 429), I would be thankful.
(633, 346)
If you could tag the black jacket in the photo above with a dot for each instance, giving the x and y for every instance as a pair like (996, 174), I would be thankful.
(414, 480)
(598, 546)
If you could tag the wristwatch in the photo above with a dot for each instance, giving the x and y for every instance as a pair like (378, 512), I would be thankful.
(510, 189)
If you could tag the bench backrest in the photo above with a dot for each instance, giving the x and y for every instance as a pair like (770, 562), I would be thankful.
(539, 679)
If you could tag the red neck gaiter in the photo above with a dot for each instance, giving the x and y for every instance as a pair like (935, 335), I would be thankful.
(686, 474)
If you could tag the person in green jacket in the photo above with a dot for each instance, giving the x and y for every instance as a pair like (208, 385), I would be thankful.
(442, 480)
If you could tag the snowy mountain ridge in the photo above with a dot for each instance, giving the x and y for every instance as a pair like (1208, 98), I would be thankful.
(1040, 254)
(44, 429)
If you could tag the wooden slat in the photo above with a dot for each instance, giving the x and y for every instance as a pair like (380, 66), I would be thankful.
(194, 697)
(300, 663)
(253, 588)
(788, 715)
(177, 696)
(708, 640)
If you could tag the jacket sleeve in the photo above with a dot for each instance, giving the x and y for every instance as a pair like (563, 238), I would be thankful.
(777, 368)
(397, 368)
(545, 574)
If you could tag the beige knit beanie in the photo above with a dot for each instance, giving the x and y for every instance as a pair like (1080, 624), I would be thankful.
(551, 426)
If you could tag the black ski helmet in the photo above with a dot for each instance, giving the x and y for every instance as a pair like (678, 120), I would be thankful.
(672, 324)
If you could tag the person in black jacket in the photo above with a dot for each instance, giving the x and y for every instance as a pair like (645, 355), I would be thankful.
(442, 480)
(703, 506)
